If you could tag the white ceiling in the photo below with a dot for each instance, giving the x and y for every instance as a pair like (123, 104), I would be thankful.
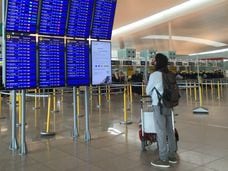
(208, 22)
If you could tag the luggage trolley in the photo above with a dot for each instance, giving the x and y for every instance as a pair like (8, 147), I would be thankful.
(147, 132)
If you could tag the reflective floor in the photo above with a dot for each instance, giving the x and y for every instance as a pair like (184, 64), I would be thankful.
(203, 144)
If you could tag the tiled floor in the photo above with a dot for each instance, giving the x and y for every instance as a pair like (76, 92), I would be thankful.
(203, 144)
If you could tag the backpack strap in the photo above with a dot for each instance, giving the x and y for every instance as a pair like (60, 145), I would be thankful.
(159, 98)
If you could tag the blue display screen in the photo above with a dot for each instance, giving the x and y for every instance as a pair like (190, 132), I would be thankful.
(53, 17)
(22, 15)
(103, 19)
(51, 62)
(77, 60)
(20, 62)
(80, 16)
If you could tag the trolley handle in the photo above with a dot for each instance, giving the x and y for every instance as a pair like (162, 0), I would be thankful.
(145, 99)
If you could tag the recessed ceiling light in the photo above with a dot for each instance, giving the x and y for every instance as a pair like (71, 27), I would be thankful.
(187, 39)
(166, 15)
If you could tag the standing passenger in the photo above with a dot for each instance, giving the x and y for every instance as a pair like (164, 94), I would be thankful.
(162, 116)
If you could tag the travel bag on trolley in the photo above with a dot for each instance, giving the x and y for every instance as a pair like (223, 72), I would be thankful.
(147, 131)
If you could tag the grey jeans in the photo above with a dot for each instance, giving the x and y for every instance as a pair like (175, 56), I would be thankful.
(165, 132)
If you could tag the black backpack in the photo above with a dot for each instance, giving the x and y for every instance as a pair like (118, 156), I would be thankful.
(170, 96)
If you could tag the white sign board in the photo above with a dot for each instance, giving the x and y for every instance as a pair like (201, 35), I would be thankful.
(101, 63)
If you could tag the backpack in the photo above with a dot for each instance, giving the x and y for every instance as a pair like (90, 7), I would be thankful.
(170, 96)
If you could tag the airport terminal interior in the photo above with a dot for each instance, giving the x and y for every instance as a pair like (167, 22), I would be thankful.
(86, 113)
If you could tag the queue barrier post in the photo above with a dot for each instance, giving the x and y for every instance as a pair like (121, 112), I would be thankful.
(131, 99)
(125, 121)
(47, 132)
(186, 90)
(54, 101)
(142, 89)
(1, 117)
(218, 90)
(212, 87)
(200, 109)
(99, 97)
(109, 93)
(195, 91)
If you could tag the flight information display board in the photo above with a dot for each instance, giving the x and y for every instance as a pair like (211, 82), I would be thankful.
(51, 62)
(103, 18)
(80, 16)
(77, 62)
(20, 62)
(22, 15)
(101, 63)
(53, 17)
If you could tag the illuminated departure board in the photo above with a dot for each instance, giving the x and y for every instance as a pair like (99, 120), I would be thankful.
(53, 17)
(22, 15)
(103, 19)
(80, 16)
(51, 62)
(77, 60)
(20, 62)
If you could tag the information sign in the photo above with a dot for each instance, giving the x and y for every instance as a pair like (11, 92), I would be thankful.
(53, 17)
(77, 62)
(51, 62)
(80, 16)
(103, 19)
(22, 16)
(101, 63)
(20, 62)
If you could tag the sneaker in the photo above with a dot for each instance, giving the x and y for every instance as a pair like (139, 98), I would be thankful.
(173, 160)
(160, 163)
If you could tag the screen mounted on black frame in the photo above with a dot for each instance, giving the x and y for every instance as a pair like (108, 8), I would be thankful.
(79, 20)
(53, 17)
(22, 16)
(77, 63)
(101, 63)
(103, 19)
(20, 62)
(51, 62)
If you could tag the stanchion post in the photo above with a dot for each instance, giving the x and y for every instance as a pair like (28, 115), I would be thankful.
(131, 99)
(13, 144)
(54, 101)
(47, 131)
(1, 117)
(109, 93)
(125, 104)
(23, 147)
(99, 96)
(75, 131)
(142, 89)
(125, 107)
(195, 91)
(206, 87)
(91, 92)
(48, 115)
(200, 95)
(211, 87)
(87, 136)
(62, 94)
(190, 88)
(78, 101)
(106, 92)
(19, 109)
(218, 90)
(221, 88)
(186, 85)
(36, 100)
